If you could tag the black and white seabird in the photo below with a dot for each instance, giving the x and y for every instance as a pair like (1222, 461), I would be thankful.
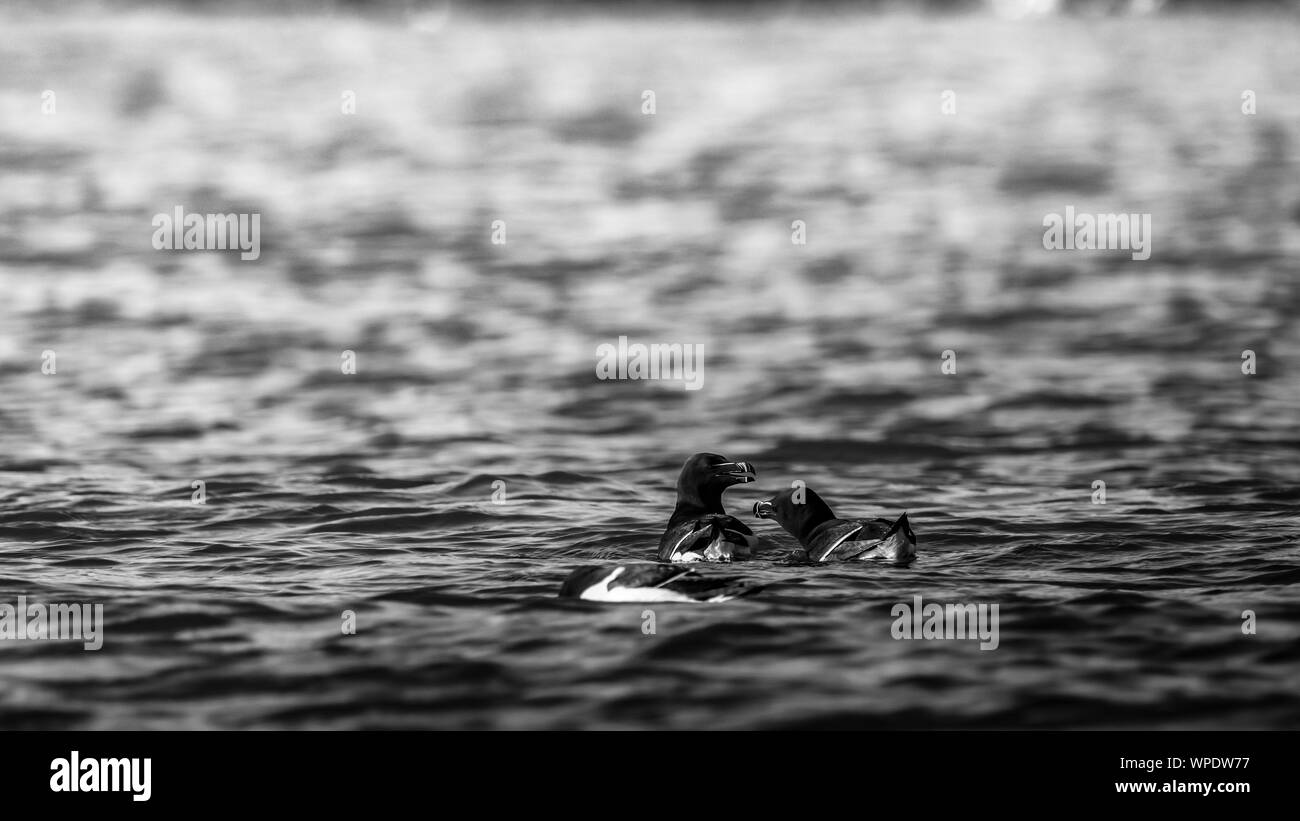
(651, 583)
(828, 539)
(699, 529)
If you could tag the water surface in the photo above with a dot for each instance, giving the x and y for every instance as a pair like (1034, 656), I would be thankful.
(372, 492)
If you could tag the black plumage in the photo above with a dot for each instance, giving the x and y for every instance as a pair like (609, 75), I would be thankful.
(699, 529)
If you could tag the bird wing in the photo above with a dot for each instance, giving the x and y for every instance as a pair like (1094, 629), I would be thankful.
(683, 537)
(711, 588)
(844, 539)
(880, 538)
(650, 575)
(695, 535)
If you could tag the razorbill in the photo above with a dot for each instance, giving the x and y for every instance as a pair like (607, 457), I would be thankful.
(651, 583)
(828, 539)
(699, 529)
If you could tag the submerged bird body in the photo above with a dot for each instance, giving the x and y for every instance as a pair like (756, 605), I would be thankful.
(829, 539)
(651, 583)
(699, 529)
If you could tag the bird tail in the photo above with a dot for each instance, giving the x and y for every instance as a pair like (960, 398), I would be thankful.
(899, 543)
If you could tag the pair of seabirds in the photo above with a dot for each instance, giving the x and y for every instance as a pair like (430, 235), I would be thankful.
(701, 531)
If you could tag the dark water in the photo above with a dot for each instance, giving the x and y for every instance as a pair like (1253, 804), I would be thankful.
(373, 492)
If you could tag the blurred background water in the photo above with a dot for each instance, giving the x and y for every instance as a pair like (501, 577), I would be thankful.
(372, 492)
